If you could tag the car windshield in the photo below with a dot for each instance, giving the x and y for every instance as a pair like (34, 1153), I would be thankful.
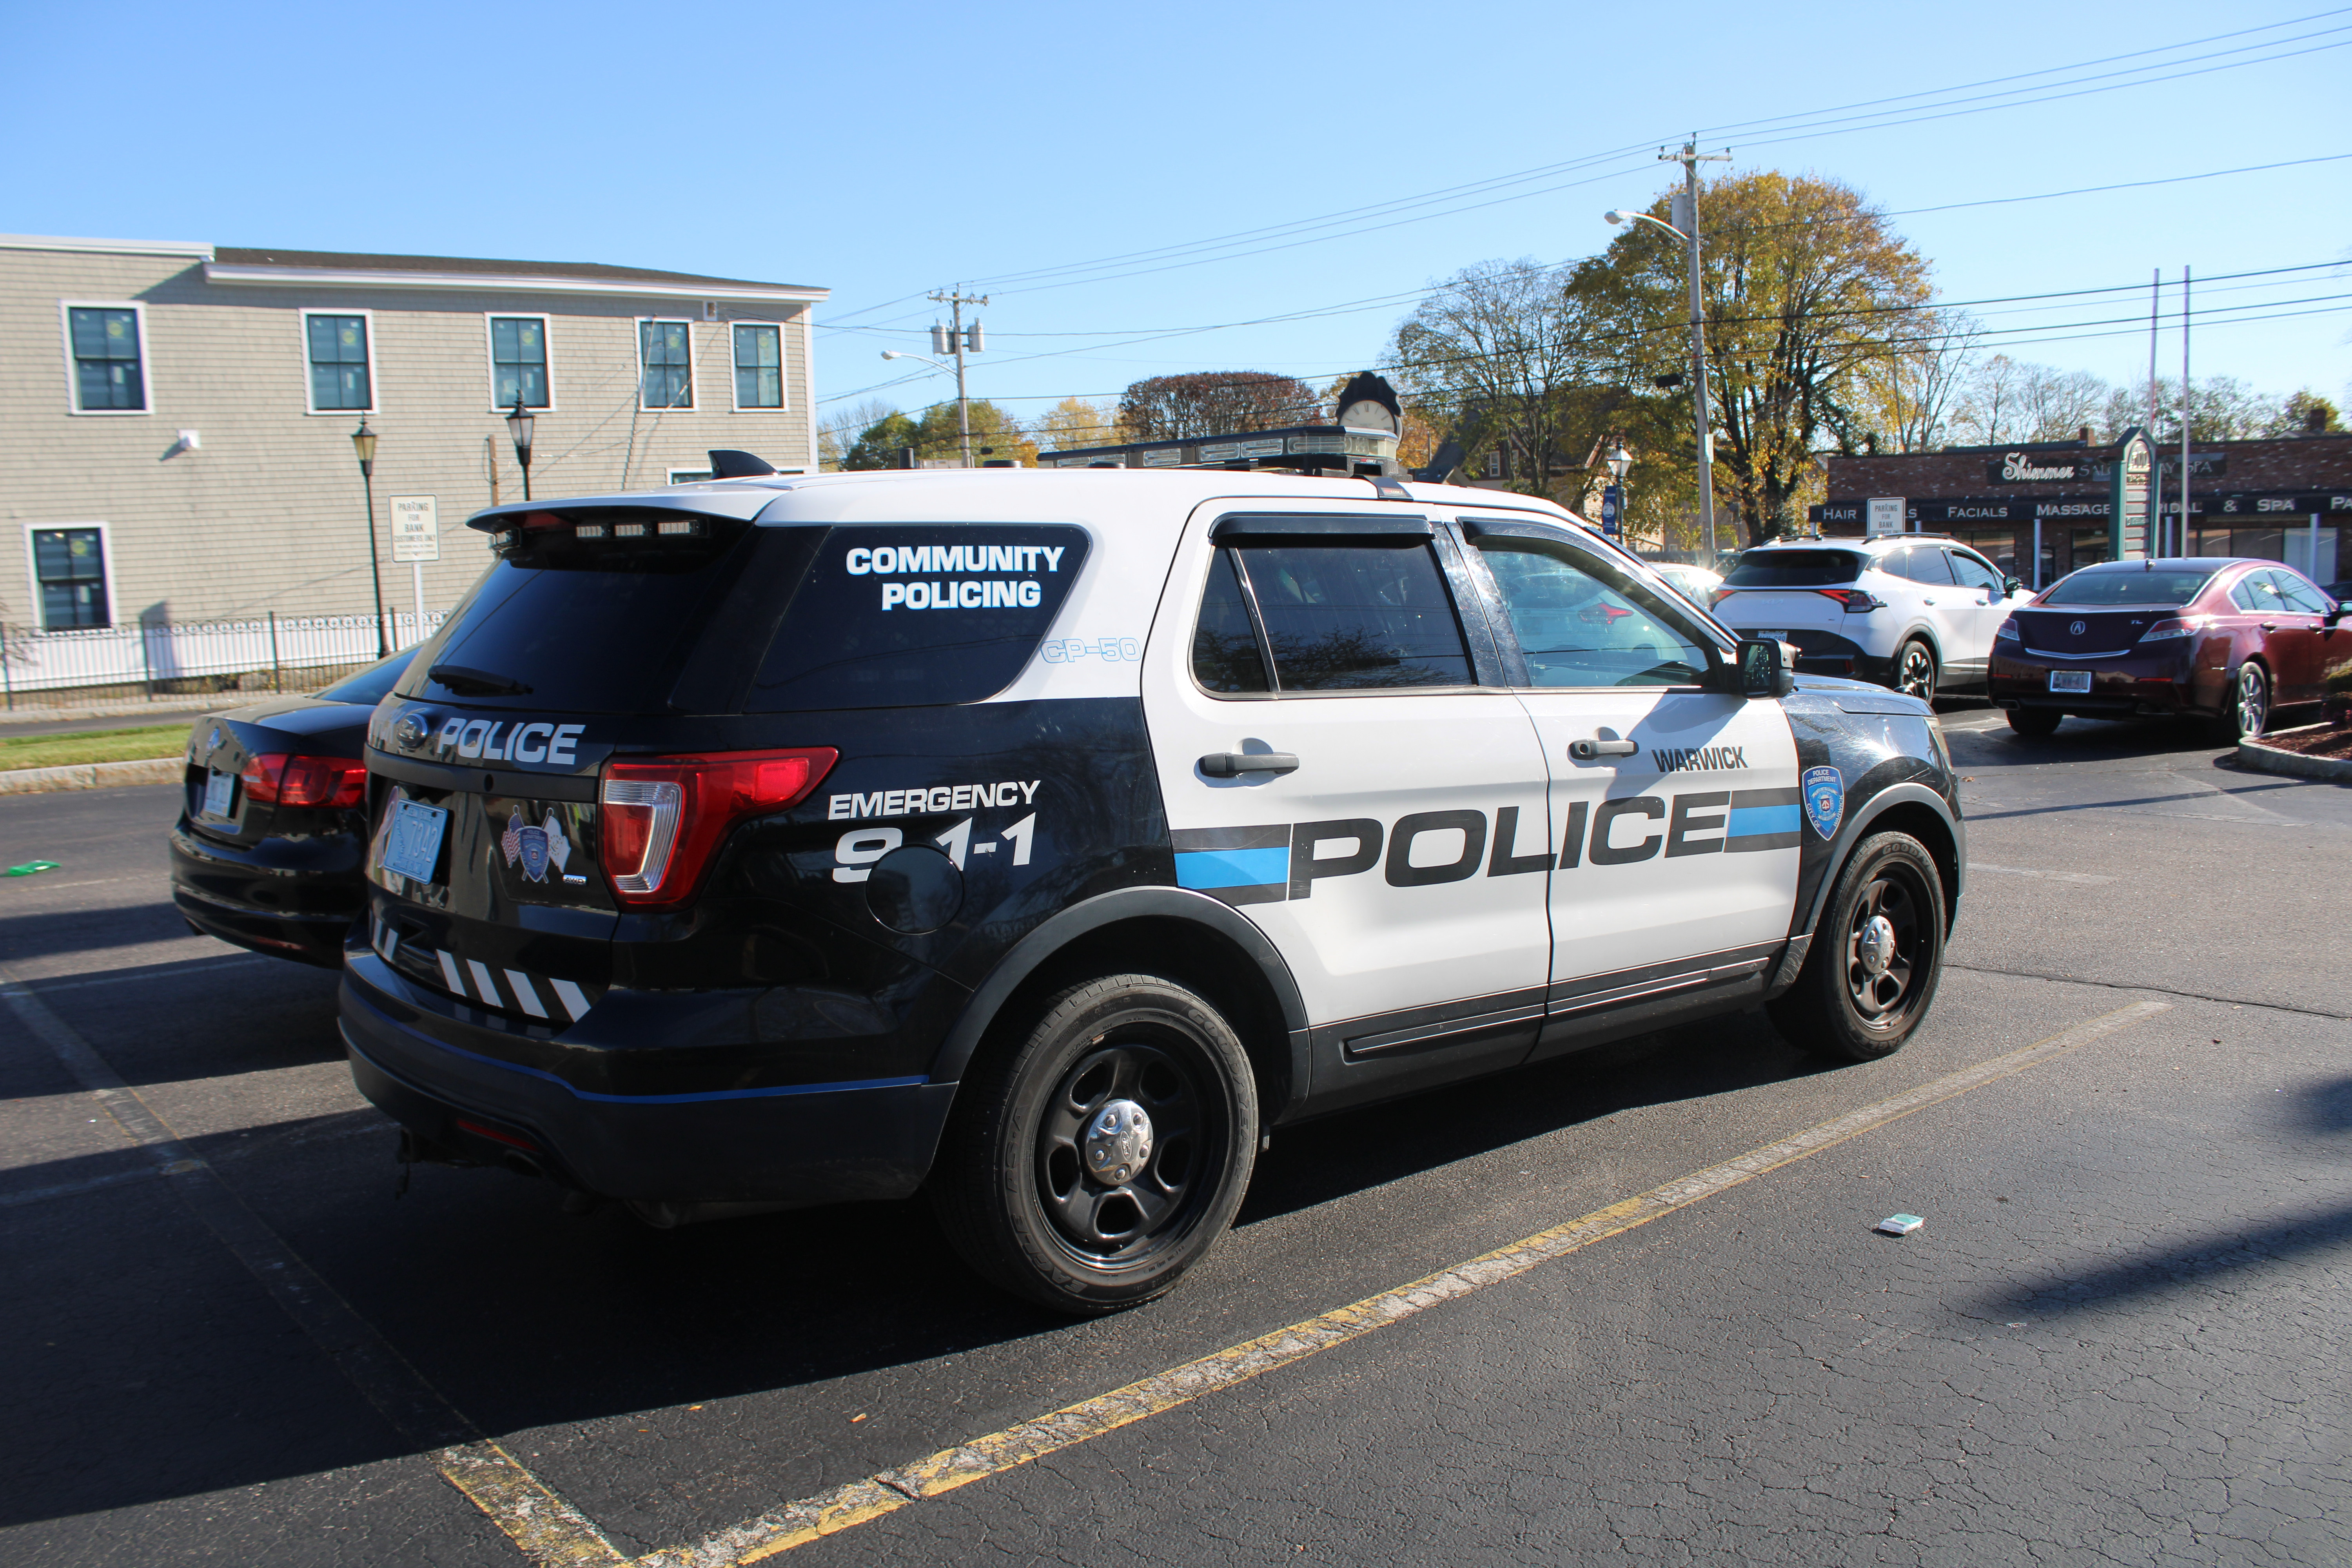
(2130, 585)
(372, 685)
(1795, 569)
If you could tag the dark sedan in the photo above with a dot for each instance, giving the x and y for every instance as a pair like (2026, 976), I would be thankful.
(2224, 640)
(267, 851)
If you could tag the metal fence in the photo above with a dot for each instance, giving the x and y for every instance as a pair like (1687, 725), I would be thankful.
(275, 652)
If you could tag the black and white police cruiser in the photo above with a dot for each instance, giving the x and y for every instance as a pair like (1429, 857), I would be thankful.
(1042, 839)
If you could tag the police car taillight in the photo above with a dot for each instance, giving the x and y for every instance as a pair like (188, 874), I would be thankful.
(661, 818)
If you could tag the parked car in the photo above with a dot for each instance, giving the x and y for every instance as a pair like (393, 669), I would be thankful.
(267, 851)
(1912, 611)
(1695, 584)
(2224, 639)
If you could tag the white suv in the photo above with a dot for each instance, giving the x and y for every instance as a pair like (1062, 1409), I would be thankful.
(1916, 612)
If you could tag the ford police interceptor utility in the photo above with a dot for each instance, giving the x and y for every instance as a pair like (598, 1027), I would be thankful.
(1043, 839)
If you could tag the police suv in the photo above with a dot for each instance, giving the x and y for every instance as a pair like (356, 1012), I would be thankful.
(1042, 839)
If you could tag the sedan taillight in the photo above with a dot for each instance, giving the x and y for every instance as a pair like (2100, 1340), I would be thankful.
(275, 778)
(660, 818)
(2185, 626)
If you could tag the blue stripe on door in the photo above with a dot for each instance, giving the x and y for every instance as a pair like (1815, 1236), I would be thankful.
(1753, 821)
(1207, 869)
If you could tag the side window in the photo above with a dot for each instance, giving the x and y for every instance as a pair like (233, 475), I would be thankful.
(1973, 572)
(1225, 655)
(1344, 617)
(2300, 595)
(2254, 594)
(1922, 563)
(1578, 629)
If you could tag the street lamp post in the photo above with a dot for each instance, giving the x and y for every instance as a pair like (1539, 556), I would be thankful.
(1705, 425)
(519, 426)
(363, 444)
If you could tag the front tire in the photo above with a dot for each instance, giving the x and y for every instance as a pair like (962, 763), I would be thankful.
(1090, 1163)
(2247, 707)
(1876, 955)
(1914, 670)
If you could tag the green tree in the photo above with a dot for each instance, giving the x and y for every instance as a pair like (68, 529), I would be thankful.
(938, 434)
(878, 444)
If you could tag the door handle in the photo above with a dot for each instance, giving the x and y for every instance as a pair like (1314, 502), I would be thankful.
(1232, 765)
(2270, 626)
(1592, 751)
(1927, 601)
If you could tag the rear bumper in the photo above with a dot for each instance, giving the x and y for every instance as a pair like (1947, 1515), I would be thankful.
(787, 1146)
(2153, 684)
(279, 897)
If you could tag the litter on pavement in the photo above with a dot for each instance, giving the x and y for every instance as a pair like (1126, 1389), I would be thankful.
(29, 867)
(1900, 1223)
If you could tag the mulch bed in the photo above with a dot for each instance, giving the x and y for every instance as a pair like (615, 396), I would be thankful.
(2320, 742)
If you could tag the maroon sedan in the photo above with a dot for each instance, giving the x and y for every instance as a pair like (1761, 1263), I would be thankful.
(2225, 640)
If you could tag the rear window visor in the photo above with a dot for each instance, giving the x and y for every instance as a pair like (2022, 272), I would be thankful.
(1795, 569)
(583, 612)
(2128, 585)
(912, 615)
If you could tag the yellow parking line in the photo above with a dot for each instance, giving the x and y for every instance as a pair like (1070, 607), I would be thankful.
(828, 1513)
(547, 1529)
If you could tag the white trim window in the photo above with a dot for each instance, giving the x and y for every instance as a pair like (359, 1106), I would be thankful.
(72, 572)
(338, 347)
(518, 361)
(106, 355)
(665, 364)
(689, 476)
(759, 366)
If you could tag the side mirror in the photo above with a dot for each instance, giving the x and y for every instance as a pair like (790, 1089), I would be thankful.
(2010, 586)
(1760, 670)
(2336, 611)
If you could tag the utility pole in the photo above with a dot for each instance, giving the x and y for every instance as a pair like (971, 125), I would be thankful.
(1685, 215)
(2184, 411)
(959, 338)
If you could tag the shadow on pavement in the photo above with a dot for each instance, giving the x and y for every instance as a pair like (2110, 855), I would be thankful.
(2197, 1264)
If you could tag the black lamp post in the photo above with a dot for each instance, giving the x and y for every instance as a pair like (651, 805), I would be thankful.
(519, 426)
(363, 443)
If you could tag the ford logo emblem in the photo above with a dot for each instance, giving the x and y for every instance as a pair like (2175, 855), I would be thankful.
(2078, 628)
(411, 731)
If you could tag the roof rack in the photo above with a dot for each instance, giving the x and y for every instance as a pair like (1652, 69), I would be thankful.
(1360, 442)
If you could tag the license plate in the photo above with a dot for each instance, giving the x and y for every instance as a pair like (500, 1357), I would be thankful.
(220, 790)
(2070, 681)
(413, 847)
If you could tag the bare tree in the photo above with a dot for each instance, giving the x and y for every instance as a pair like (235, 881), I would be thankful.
(1493, 351)
(2008, 400)
(1910, 396)
(838, 431)
(2220, 408)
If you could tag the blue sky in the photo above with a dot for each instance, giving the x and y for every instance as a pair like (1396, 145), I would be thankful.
(882, 153)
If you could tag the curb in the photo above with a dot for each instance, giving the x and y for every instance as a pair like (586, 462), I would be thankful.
(93, 775)
(2253, 754)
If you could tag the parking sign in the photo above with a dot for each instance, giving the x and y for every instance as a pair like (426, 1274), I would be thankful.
(415, 528)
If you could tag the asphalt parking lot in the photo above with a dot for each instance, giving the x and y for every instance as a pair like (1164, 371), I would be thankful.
(2118, 1338)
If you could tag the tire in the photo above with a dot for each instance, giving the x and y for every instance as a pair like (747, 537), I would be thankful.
(2246, 707)
(1841, 1006)
(2035, 724)
(1915, 670)
(1012, 1186)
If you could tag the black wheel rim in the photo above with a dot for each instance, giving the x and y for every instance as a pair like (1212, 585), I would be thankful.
(2253, 701)
(1916, 677)
(1885, 995)
(1108, 1226)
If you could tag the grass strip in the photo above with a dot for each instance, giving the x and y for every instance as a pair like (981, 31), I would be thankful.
(93, 746)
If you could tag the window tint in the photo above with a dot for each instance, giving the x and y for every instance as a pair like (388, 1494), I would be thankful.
(1578, 629)
(909, 616)
(2129, 585)
(339, 361)
(2300, 595)
(1342, 617)
(2252, 593)
(69, 567)
(372, 685)
(1919, 562)
(107, 371)
(667, 356)
(758, 367)
(518, 361)
(1973, 572)
(1225, 655)
(1794, 569)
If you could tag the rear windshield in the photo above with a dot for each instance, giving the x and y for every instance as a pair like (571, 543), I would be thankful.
(1795, 569)
(908, 615)
(583, 613)
(372, 685)
(2130, 585)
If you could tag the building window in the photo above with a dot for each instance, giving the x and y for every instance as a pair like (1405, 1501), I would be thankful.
(70, 565)
(518, 361)
(758, 367)
(109, 371)
(689, 476)
(339, 363)
(667, 356)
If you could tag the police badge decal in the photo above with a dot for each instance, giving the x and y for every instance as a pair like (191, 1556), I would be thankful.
(1823, 790)
(536, 846)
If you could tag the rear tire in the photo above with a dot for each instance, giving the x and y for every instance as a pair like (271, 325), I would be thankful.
(1017, 1187)
(2035, 724)
(1866, 985)
(2246, 708)
(1914, 670)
